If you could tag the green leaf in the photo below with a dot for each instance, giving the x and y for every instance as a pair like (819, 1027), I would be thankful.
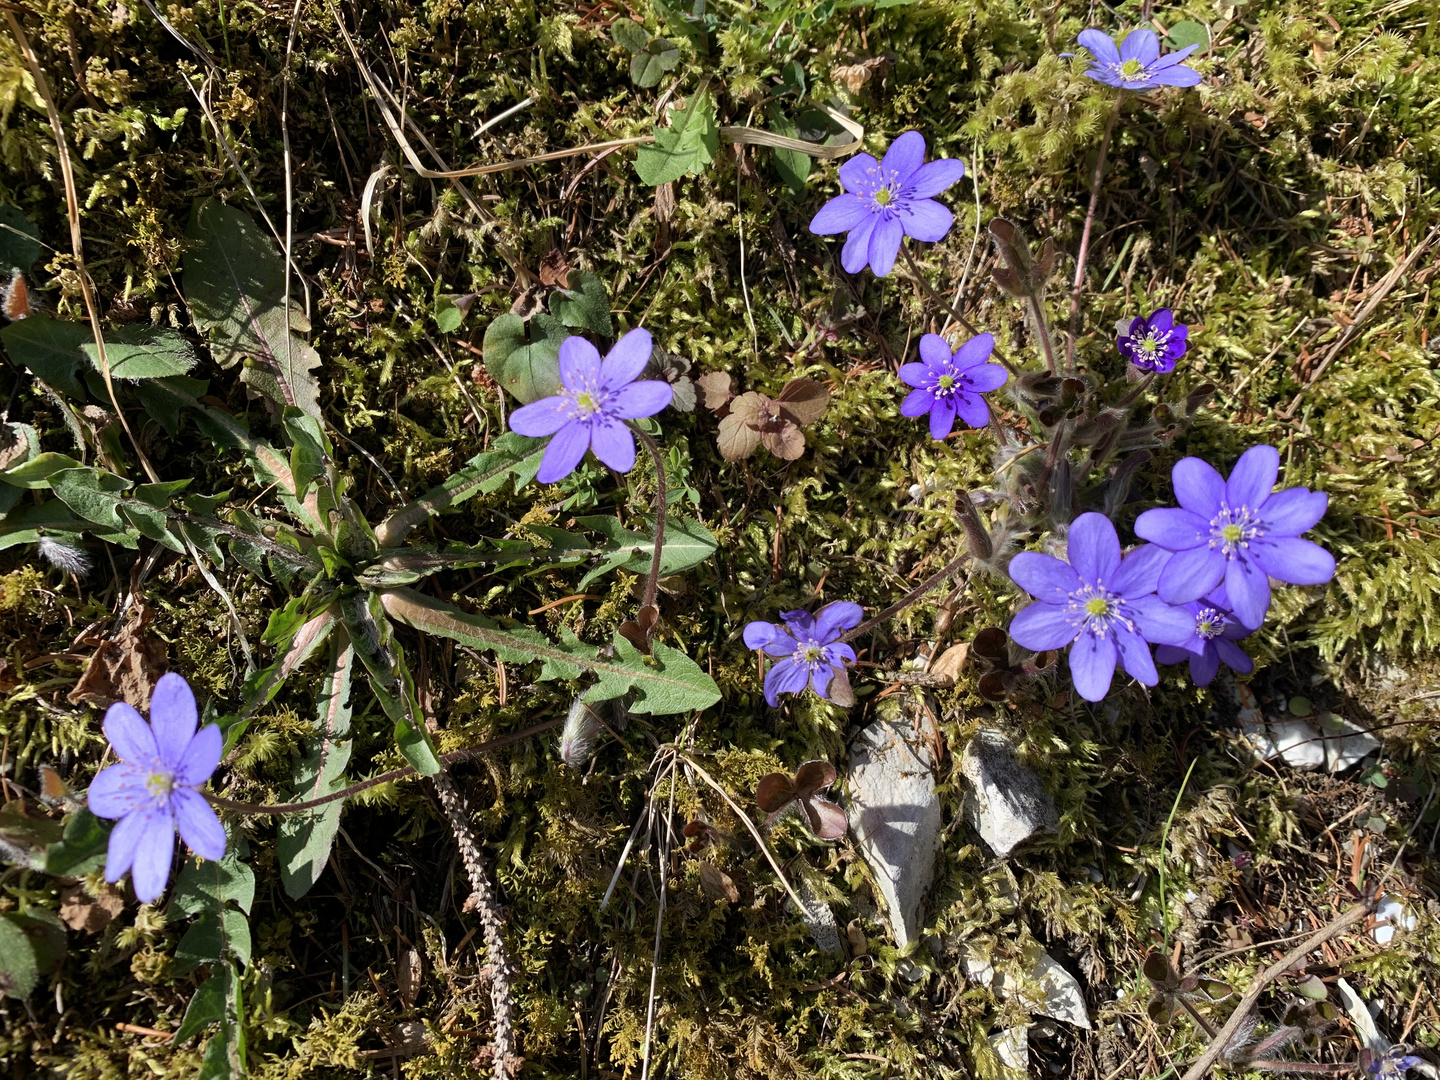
(19, 240)
(143, 352)
(310, 449)
(383, 657)
(677, 23)
(207, 1006)
(629, 35)
(93, 494)
(52, 517)
(1184, 34)
(668, 682)
(793, 166)
(585, 304)
(50, 349)
(305, 838)
(211, 938)
(23, 839)
(162, 399)
(689, 144)
(36, 472)
(648, 65)
(448, 317)
(81, 847)
(687, 544)
(18, 970)
(235, 282)
(525, 360)
(296, 633)
(205, 885)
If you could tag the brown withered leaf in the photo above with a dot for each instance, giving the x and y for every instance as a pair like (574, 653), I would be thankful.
(639, 630)
(716, 389)
(125, 669)
(407, 975)
(804, 401)
(739, 436)
(855, 76)
(718, 884)
(774, 791)
(665, 202)
(952, 661)
(529, 302)
(856, 937)
(784, 439)
(554, 270)
(90, 914)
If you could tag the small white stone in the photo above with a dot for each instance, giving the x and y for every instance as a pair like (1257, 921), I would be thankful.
(1006, 803)
(1391, 915)
(1064, 999)
(1347, 745)
(1299, 745)
(1012, 1047)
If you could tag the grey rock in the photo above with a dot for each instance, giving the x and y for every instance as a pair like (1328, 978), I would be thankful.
(1347, 745)
(1006, 803)
(818, 916)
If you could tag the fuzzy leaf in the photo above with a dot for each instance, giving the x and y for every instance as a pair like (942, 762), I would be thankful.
(737, 438)
(685, 147)
(305, 838)
(81, 848)
(525, 360)
(92, 493)
(687, 544)
(211, 938)
(225, 1053)
(50, 349)
(207, 1006)
(36, 472)
(143, 352)
(235, 282)
(204, 885)
(804, 400)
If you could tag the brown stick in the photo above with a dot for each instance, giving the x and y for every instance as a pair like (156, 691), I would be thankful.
(1217, 1047)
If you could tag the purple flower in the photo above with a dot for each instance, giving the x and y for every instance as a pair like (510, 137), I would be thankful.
(1238, 532)
(1136, 64)
(811, 649)
(591, 409)
(1393, 1064)
(1102, 603)
(1155, 342)
(153, 789)
(1215, 632)
(887, 200)
(947, 385)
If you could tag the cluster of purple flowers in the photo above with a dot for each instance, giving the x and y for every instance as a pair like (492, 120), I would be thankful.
(1201, 584)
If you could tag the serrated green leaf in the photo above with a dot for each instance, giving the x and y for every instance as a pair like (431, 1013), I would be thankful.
(50, 349)
(689, 144)
(143, 352)
(525, 359)
(208, 885)
(585, 304)
(19, 971)
(234, 280)
(93, 494)
(213, 937)
(687, 544)
(207, 1006)
(36, 472)
(649, 65)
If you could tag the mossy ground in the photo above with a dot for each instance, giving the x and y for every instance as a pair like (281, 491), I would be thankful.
(1265, 208)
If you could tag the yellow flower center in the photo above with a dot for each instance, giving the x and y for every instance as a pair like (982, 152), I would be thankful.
(1132, 69)
(1233, 534)
(587, 402)
(159, 784)
(946, 382)
(1097, 606)
(1149, 344)
(811, 654)
(883, 197)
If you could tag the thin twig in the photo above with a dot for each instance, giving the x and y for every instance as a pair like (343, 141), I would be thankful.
(919, 278)
(909, 598)
(1084, 252)
(659, 925)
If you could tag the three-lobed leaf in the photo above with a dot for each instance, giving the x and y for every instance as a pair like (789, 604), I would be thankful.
(525, 359)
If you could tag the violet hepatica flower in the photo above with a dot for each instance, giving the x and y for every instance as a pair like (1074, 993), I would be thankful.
(1393, 1064)
(153, 789)
(948, 385)
(596, 398)
(887, 200)
(1102, 605)
(809, 650)
(1216, 630)
(1237, 531)
(1136, 64)
(1155, 342)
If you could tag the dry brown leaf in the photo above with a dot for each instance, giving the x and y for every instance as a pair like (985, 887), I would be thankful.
(856, 937)
(718, 884)
(717, 388)
(639, 630)
(90, 914)
(854, 76)
(407, 974)
(952, 661)
(784, 439)
(804, 400)
(737, 439)
(554, 270)
(530, 302)
(125, 669)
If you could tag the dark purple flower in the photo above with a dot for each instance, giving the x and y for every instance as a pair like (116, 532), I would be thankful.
(1102, 603)
(810, 650)
(153, 789)
(1137, 63)
(1155, 342)
(1239, 532)
(886, 200)
(591, 409)
(949, 385)
(1216, 630)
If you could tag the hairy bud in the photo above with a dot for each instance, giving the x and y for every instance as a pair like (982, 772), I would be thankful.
(577, 737)
(67, 557)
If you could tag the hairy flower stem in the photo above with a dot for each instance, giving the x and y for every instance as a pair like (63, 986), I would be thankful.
(1084, 252)
(482, 901)
(1042, 329)
(1199, 1020)
(652, 582)
(1323, 1068)
(918, 276)
(909, 598)
(1140, 388)
(375, 781)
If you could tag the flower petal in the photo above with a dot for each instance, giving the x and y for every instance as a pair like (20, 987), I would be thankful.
(1161, 623)
(1172, 528)
(1134, 657)
(838, 654)
(1204, 666)
(905, 156)
(1140, 571)
(786, 677)
(130, 735)
(1100, 45)
(924, 219)
(834, 618)
(125, 840)
(1092, 665)
(885, 241)
(840, 214)
(982, 378)
(627, 359)
(564, 452)
(1294, 511)
(612, 442)
(1191, 574)
(856, 251)
(173, 717)
(198, 825)
(1179, 75)
(1094, 548)
(934, 177)
(579, 365)
(1042, 626)
(974, 353)
(1171, 654)
(150, 871)
(1142, 45)
(1294, 561)
(858, 172)
(201, 757)
(917, 402)
(1249, 590)
(1044, 576)
(543, 417)
(1198, 486)
(1253, 477)
(1175, 57)
(1233, 656)
(942, 419)
(758, 634)
(972, 409)
(644, 398)
(118, 790)
(935, 351)
(1162, 320)
(917, 374)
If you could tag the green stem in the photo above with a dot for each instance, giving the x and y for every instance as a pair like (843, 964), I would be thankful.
(1164, 839)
